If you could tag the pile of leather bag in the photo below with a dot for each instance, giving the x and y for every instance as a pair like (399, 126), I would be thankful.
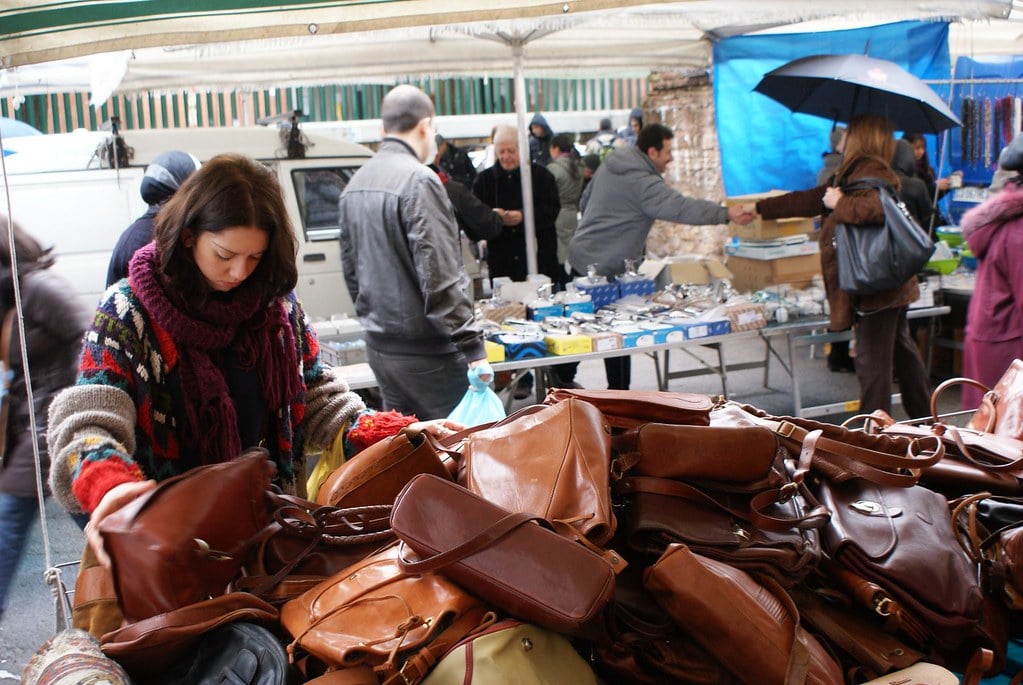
(605, 536)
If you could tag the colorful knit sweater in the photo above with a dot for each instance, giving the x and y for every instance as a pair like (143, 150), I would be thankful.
(119, 423)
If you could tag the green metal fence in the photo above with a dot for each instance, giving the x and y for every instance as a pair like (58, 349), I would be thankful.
(61, 113)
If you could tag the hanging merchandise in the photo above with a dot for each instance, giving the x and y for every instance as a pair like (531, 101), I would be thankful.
(988, 138)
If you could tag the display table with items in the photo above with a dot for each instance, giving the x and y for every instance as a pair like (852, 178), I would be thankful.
(550, 329)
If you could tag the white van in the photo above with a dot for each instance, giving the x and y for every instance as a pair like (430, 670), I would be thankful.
(64, 191)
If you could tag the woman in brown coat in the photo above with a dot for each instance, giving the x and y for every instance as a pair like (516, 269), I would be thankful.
(882, 334)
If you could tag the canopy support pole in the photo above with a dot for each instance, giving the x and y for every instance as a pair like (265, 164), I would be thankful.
(525, 162)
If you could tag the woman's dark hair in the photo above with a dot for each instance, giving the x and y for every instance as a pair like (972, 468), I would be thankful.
(227, 192)
(653, 136)
(563, 142)
(30, 254)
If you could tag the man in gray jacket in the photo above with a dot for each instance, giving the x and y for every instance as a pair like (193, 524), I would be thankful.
(620, 205)
(402, 265)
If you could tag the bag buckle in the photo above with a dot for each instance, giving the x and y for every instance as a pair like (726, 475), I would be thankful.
(787, 492)
(786, 429)
(408, 679)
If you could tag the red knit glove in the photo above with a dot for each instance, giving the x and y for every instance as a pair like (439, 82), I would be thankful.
(374, 427)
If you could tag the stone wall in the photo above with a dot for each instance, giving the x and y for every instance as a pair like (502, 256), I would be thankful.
(685, 103)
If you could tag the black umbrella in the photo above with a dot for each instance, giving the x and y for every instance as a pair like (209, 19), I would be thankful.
(841, 86)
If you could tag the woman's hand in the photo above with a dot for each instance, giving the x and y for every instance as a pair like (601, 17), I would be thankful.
(831, 197)
(116, 497)
(438, 428)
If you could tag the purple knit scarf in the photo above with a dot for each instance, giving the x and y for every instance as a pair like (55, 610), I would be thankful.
(238, 325)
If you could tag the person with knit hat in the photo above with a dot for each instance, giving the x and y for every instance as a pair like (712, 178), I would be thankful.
(163, 177)
(202, 352)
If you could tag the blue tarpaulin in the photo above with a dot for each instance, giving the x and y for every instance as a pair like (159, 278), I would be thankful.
(764, 145)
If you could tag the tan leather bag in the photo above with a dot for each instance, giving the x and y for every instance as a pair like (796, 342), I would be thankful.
(731, 614)
(374, 615)
(550, 461)
(633, 408)
(378, 473)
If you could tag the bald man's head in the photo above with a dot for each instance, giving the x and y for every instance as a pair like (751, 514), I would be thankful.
(403, 108)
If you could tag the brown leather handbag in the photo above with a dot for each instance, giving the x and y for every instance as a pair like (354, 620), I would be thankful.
(990, 530)
(307, 543)
(549, 461)
(901, 540)
(378, 473)
(186, 540)
(375, 616)
(1001, 409)
(725, 609)
(702, 486)
(502, 557)
(839, 453)
(633, 408)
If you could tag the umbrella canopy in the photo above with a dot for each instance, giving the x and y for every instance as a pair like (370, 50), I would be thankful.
(839, 87)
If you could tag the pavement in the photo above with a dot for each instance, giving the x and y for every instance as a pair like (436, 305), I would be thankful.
(30, 615)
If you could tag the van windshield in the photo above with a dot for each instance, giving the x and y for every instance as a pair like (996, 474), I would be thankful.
(318, 191)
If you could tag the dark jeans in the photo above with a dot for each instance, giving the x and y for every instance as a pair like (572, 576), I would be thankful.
(883, 343)
(618, 369)
(16, 517)
(425, 385)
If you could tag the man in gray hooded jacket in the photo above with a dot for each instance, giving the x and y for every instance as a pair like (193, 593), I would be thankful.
(620, 205)
(402, 264)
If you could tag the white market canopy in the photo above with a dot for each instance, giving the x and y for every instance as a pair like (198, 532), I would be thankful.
(127, 47)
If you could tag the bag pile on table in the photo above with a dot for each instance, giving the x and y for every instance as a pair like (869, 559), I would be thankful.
(604, 536)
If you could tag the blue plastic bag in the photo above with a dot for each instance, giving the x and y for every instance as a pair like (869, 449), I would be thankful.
(480, 404)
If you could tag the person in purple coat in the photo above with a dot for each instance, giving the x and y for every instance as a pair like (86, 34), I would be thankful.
(994, 320)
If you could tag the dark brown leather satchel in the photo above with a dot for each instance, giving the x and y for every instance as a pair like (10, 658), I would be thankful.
(707, 492)
(901, 539)
(990, 530)
(550, 461)
(375, 615)
(722, 607)
(633, 408)
(527, 570)
(307, 543)
(186, 540)
(378, 473)
(861, 648)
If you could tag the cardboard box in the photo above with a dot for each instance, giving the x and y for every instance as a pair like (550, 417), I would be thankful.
(521, 346)
(641, 287)
(685, 271)
(570, 343)
(498, 313)
(773, 249)
(755, 274)
(767, 229)
(495, 351)
(705, 328)
(634, 336)
(601, 295)
(664, 332)
(747, 316)
(605, 341)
